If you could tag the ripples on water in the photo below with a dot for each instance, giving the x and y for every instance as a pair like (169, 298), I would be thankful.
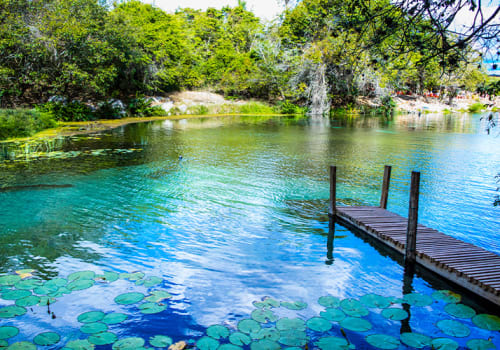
(243, 214)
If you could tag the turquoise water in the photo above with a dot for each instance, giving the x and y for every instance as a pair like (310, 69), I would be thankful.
(240, 217)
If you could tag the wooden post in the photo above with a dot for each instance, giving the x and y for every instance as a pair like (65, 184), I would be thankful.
(333, 190)
(411, 233)
(385, 187)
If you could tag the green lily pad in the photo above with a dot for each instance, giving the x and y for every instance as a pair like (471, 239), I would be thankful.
(293, 337)
(79, 344)
(12, 311)
(114, 318)
(266, 333)
(29, 284)
(238, 338)
(394, 314)
(267, 302)
(444, 344)
(45, 289)
(22, 345)
(354, 308)
(489, 322)
(44, 301)
(3, 343)
(104, 338)
(286, 323)
(297, 305)
(59, 292)
(383, 341)
(129, 298)
(134, 276)
(130, 343)
(319, 324)
(94, 327)
(58, 281)
(158, 295)
(90, 316)
(47, 339)
(293, 348)
(248, 326)
(229, 347)
(160, 341)
(80, 284)
(150, 281)
(375, 301)
(207, 343)
(329, 301)
(453, 328)
(108, 277)
(460, 310)
(480, 344)
(7, 332)
(415, 340)
(9, 280)
(151, 308)
(334, 315)
(217, 332)
(417, 299)
(28, 301)
(264, 315)
(81, 275)
(332, 343)
(15, 294)
(356, 324)
(447, 296)
(265, 344)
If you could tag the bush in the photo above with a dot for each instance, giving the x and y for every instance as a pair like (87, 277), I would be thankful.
(23, 123)
(66, 112)
(141, 106)
(287, 107)
(476, 107)
(387, 104)
(256, 108)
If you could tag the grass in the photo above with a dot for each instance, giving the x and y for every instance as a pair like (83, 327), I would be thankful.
(23, 122)
(228, 108)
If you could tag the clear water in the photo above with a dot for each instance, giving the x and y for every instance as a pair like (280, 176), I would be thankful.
(241, 216)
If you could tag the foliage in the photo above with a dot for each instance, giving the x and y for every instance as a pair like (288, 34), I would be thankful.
(63, 111)
(287, 107)
(141, 106)
(476, 107)
(23, 122)
(387, 104)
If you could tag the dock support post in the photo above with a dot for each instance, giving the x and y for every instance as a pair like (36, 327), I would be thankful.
(329, 242)
(385, 187)
(411, 232)
(333, 191)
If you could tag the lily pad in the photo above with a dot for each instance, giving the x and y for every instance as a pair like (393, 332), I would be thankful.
(29, 284)
(94, 327)
(45, 289)
(248, 326)
(353, 307)
(266, 333)
(134, 276)
(59, 292)
(103, 338)
(58, 281)
(480, 344)
(297, 305)
(334, 315)
(286, 323)
(28, 301)
(7, 332)
(207, 343)
(375, 301)
(263, 315)
(415, 340)
(9, 280)
(109, 277)
(266, 302)
(15, 294)
(329, 301)
(485, 321)
(160, 341)
(417, 299)
(150, 281)
(444, 344)
(79, 344)
(80, 284)
(453, 328)
(319, 324)
(90, 316)
(129, 298)
(383, 341)
(217, 332)
(129, 343)
(3, 343)
(44, 301)
(114, 318)
(22, 345)
(332, 343)
(12, 311)
(158, 295)
(151, 308)
(460, 310)
(81, 275)
(293, 338)
(447, 296)
(394, 314)
(265, 344)
(238, 338)
(356, 324)
(47, 339)
(229, 347)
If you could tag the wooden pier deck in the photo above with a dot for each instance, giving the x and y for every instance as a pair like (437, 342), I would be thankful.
(472, 267)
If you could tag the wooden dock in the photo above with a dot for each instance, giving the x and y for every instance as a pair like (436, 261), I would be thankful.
(465, 264)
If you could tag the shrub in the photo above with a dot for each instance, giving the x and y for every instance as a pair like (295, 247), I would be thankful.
(476, 107)
(287, 107)
(141, 106)
(23, 122)
(72, 111)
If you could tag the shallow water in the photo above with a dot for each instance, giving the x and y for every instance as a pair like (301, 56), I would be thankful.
(241, 216)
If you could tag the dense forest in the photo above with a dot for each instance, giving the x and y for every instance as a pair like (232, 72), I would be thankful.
(318, 53)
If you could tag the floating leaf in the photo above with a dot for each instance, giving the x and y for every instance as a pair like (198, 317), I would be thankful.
(9, 280)
(28, 301)
(28, 284)
(416, 299)
(297, 305)
(248, 326)
(229, 347)
(160, 341)
(329, 301)
(489, 322)
(114, 318)
(480, 344)
(266, 333)
(12, 311)
(394, 314)
(286, 323)
(415, 340)
(47, 339)
(375, 301)
(134, 276)
(332, 343)
(453, 328)
(263, 315)
(81, 275)
(151, 308)
(3, 343)
(293, 338)
(334, 315)
(45, 289)
(444, 344)
(354, 308)
(151, 281)
(318, 324)
(460, 310)
(383, 341)
(80, 284)
(129, 298)
(103, 338)
(60, 282)
(207, 343)
(356, 324)
(22, 345)
(266, 302)
(60, 292)
(158, 295)
(94, 327)
(15, 294)
(7, 332)
(447, 296)
(238, 338)
(130, 343)
(44, 301)
(217, 332)
(265, 344)
(90, 316)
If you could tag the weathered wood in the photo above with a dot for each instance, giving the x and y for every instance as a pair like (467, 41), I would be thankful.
(385, 187)
(411, 235)
(333, 190)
